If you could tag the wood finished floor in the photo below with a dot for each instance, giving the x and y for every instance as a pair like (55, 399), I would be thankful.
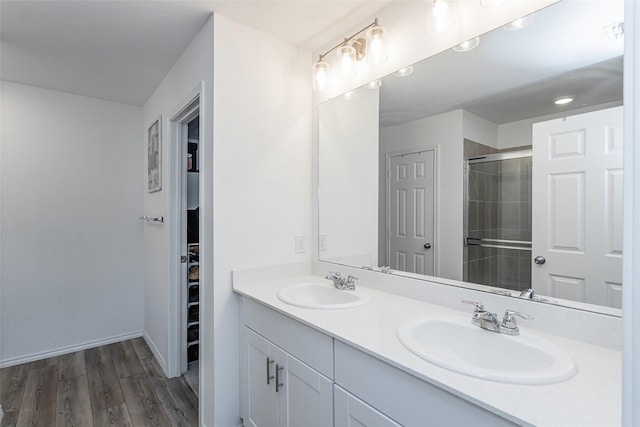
(118, 384)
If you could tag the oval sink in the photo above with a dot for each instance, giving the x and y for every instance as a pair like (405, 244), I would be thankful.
(454, 343)
(322, 296)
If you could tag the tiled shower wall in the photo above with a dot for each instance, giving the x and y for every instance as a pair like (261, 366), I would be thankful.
(499, 207)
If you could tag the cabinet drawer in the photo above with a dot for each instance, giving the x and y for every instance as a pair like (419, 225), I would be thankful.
(297, 339)
(403, 397)
(353, 412)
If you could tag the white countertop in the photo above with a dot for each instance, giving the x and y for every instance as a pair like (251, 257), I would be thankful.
(591, 398)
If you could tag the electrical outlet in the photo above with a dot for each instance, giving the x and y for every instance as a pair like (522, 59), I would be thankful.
(322, 242)
(299, 243)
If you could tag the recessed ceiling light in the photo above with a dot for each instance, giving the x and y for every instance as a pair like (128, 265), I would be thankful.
(349, 95)
(374, 84)
(468, 45)
(519, 23)
(403, 72)
(563, 100)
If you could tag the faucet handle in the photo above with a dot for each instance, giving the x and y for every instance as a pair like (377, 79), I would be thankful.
(333, 274)
(508, 320)
(479, 306)
(351, 279)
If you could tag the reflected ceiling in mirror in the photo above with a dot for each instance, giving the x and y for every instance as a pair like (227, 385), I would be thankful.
(460, 105)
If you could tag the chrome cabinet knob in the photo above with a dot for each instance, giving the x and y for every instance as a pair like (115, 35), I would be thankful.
(539, 260)
(427, 245)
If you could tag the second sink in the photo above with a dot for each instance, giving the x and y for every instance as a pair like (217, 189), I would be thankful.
(322, 296)
(454, 343)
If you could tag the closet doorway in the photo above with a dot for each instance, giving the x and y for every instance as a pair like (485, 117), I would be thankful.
(191, 237)
(184, 317)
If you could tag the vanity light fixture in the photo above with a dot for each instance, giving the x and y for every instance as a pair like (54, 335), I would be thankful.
(351, 50)
(403, 72)
(467, 45)
(442, 15)
(376, 51)
(520, 23)
(320, 76)
(375, 84)
(347, 55)
(563, 100)
(349, 95)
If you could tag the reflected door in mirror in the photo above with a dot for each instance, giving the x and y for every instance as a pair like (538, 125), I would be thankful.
(411, 212)
(577, 179)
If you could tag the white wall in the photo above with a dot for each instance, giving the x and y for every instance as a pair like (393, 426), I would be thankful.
(262, 163)
(71, 241)
(255, 192)
(479, 130)
(443, 131)
(193, 70)
(348, 189)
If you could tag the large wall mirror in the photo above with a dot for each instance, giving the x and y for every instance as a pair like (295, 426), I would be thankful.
(470, 167)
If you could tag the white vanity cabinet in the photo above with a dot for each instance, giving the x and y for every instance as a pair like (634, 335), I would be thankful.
(280, 389)
(260, 402)
(352, 412)
(326, 382)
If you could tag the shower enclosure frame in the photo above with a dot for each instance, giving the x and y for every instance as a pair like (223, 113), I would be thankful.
(488, 242)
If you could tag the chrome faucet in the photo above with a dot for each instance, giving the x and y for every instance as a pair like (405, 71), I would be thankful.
(528, 294)
(346, 284)
(531, 294)
(489, 321)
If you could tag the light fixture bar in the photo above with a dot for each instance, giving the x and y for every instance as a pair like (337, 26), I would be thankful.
(348, 39)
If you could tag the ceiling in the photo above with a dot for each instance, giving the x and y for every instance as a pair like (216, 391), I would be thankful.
(515, 75)
(121, 50)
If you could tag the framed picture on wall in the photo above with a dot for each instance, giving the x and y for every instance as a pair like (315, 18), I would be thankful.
(154, 162)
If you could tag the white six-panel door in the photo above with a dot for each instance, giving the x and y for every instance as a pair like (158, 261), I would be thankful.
(577, 207)
(411, 212)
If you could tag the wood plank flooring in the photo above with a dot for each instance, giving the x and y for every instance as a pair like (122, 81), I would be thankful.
(117, 385)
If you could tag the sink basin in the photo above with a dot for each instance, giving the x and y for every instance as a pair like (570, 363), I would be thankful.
(322, 296)
(454, 343)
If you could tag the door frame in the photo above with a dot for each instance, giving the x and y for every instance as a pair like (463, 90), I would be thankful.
(436, 193)
(184, 112)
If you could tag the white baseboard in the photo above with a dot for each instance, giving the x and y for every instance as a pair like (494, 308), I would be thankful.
(69, 349)
(156, 352)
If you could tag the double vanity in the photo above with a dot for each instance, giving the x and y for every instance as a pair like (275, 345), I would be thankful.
(316, 355)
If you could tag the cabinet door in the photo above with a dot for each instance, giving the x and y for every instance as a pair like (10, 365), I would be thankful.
(305, 397)
(352, 412)
(260, 408)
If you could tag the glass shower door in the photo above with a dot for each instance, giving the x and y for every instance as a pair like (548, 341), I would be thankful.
(498, 220)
